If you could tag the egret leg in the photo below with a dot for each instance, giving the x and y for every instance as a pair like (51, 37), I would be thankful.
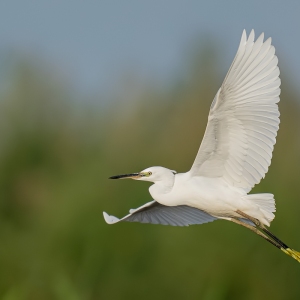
(253, 220)
(254, 229)
(263, 228)
(270, 238)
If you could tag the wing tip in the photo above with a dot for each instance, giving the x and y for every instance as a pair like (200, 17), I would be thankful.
(110, 219)
(244, 37)
(251, 36)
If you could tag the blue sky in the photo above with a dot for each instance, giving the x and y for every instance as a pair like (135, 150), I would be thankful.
(94, 42)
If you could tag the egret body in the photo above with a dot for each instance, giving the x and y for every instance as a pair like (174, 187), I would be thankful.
(234, 155)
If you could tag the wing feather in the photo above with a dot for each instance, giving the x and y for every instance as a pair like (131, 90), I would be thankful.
(244, 118)
(156, 213)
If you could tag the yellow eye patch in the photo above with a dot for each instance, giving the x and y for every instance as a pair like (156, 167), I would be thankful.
(146, 174)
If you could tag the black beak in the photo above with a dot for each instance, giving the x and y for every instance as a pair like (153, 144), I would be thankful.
(124, 176)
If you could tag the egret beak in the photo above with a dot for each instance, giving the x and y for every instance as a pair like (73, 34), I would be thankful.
(125, 176)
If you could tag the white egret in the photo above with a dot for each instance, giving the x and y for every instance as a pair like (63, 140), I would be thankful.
(234, 155)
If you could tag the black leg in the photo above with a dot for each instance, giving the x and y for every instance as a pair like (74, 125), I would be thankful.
(254, 229)
(270, 237)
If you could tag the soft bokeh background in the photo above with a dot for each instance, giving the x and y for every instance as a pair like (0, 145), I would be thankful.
(90, 89)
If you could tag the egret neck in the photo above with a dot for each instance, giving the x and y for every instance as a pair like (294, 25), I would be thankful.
(163, 182)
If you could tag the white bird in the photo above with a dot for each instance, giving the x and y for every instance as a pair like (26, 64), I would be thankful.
(234, 155)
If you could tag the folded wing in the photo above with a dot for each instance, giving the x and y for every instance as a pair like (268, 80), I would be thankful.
(243, 118)
(156, 213)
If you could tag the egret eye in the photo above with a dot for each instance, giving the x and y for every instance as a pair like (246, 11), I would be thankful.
(149, 173)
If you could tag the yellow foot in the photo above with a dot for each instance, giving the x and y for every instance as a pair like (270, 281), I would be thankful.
(293, 253)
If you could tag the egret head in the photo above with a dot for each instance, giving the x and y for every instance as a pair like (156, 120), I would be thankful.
(152, 174)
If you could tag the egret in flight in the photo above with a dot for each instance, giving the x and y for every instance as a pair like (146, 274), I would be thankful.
(234, 155)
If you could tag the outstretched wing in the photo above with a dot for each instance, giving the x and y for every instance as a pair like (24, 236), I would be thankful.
(156, 213)
(243, 118)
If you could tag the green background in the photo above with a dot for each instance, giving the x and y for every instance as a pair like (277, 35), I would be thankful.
(57, 152)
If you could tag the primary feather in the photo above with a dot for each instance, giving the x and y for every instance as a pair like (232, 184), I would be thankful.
(243, 119)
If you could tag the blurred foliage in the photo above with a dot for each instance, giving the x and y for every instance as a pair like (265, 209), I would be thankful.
(56, 153)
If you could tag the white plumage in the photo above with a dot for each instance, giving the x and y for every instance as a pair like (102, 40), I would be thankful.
(234, 155)
(243, 119)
